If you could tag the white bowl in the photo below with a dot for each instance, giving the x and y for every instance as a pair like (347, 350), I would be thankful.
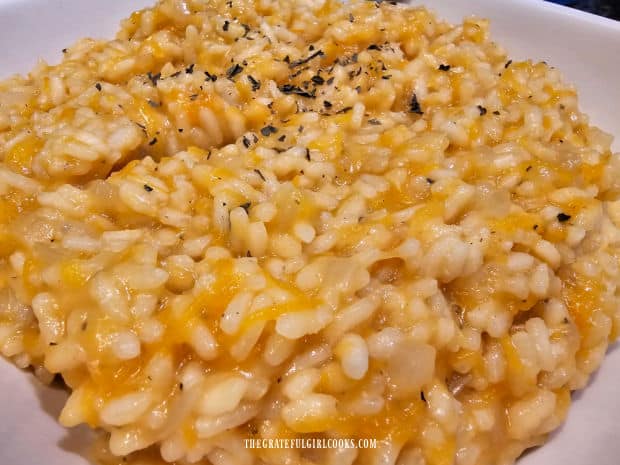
(585, 47)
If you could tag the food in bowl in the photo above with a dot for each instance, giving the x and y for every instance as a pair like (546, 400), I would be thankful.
(306, 220)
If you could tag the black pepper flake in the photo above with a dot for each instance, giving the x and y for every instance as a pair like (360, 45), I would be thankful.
(53, 343)
(318, 80)
(443, 67)
(386, 77)
(209, 155)
(496, 113)
(246, 142)
(308, 154)
(482, 110)
(351, 18)
(64, 50)
(374, 122)
(246, 206)
(291, 89)
(153, 104)
(508, 63)
(529, 168)
(190, 69)
(98, 87)
(430, 181)
(344, 110)
(173, 75)
(282, 138)
(84, 325)
(180, 386)
(414, 105)
(180, 129)
(225, 26)
(327, 104)
(303, 61)
(210, 77)
(260, 174)
(234, 70)
(535, 227)
(254, 82)
(153, 141)
(422, 396)
(279, 380)
(287, 59)
(330, 81)
(268, 130)
(193, 97)
(562, 217)
(148, 188)
(373, 47)
(358, 89)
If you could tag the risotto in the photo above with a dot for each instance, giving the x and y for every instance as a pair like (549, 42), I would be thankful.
(276, 219)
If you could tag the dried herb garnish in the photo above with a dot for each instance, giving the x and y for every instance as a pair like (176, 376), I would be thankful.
(234, 70)
(562, 217)
(268, 130)
(292, 89)
(303, 61)
(210, 77)
(254, 82)
(148, 188)
(153, 77)
(443, 67)
(414, 105)
(260, 175)
(190, 69)
(482, 110)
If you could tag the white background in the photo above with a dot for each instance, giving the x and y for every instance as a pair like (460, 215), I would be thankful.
(584, 47)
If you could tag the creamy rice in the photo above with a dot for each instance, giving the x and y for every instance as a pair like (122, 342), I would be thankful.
(285, 219)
